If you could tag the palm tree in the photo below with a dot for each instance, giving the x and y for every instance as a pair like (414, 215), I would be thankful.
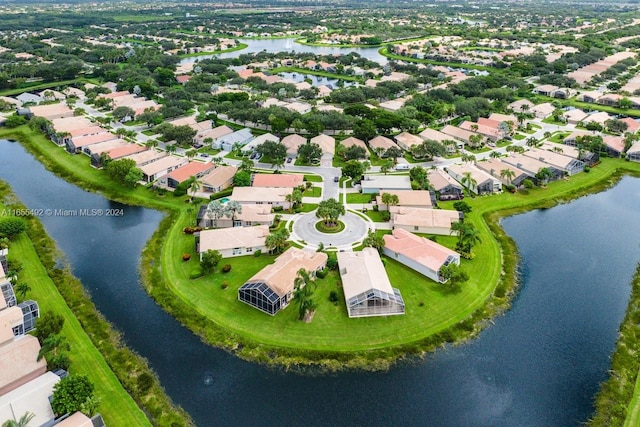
(53, 344)
(277, 240)
(386, 166)
(233, 208)
(304, 286)
(507, 174)
(171, 148)
(215, 211)
(390, 199)
(468, 182)
(467, 234)
(22, 422)
(196, 185)
(494, 154)
(22, 289)
(544, 175)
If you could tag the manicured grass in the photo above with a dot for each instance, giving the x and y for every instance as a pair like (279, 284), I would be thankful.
(360, 198)
(313, 192)
(519, 136)
(42, 86)
(377, 216)
(313, 178)
(307, 207)
(384, 52)
(321, 227)
(551, 121)
(558, 137)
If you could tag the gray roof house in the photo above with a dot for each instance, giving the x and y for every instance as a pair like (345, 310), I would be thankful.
(226, 143)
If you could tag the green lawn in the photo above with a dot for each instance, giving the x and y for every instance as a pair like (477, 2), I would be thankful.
(313, 192)
(376, 216)
(519, 136)
(360, 198)
(117, 408)
(313, 178)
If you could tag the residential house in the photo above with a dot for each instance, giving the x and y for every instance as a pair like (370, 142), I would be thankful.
(546, 90)
(406, 140)
(633, 153)
(292, 143)
(351, 141)
(422, 255)
(599, 117)
(459, 134)
(589, 96)
(327, 145)
(183, 173)
(257, 141)
(78, 144)
(250, 215)
(271, 289)
(277, 180)
(610, 99)
(116, 154)
(480, 183)
(542, 111)
(52, 111)
(366, 286)
(521, 106)
(154, 170)
(614, 145)
(380, 144)
(422, 220)
(378, 184)
(228, 142)
(233, 241)
(450, 143)
(575, 116)
(532, 166)
(214, 134)
(218, 179)
(488, 129)
(27, 97)
(446, 188)
(102, 147)
(145, 157)
(632, 124)
(559, 161)
(494, 167)
(572, 138)
(262, 196)
(410, 198)
(587, 157)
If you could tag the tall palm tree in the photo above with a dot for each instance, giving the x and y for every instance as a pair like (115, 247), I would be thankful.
(304, 286)
(507, 174)
(215, 211)
(22, 289)
(196, 185)
(53, 344)
(232, 208)
(22, 422)
(468, 182)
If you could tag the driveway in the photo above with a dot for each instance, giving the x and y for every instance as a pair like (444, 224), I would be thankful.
(355, 230)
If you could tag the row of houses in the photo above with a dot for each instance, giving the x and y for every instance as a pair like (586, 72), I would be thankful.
(25, 384)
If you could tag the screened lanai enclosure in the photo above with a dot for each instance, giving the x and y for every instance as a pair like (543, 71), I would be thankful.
(375, 302)
(262, 297)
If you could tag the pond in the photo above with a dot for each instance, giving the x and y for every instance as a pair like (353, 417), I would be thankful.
(539, 365)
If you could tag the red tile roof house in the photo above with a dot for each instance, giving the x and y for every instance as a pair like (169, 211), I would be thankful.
(117, 153)
(420, 254)
(185, 172)
(183, 79)
(277, 180)
(614, 145)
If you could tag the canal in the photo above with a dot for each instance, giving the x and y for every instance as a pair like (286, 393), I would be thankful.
(539, 365)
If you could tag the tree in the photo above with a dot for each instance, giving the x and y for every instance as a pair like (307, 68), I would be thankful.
(53, 347)
(386, 166)
(277, 241)
(309, 152)
(390, 199)
(461, 206)
(49, 323)
(150, 117)
(304, 286)
(374, 240)
(507, 174)
(330, 210)
(453, 276)
(232, 208)
(215, 211)
(123, 112)
(70, 393)
(467, 234)
(22, 289)
(616, 126)
(354, 169)
(90, 406)
(12, 226)
(242, 179)
(364, 129)
(24, 421)
(393, 153)
(419, 175)
(196, 185)
(134, 176)
(544, 175)
(14, 121)
(209, 260)
(246, 165)
(354, 152)
(468, 182)
(118, 169)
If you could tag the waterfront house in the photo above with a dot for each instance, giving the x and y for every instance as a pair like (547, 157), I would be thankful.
(271, 289)
(494, 167)
(161, 167)
(232, 241)
(484, 183)
(218, 179)
(410, 198)
(559, 161)
(366, 286)
(183, 173)
(422, 255)
(262, 196)
(422, 220)
(633, 153)
(249, 216)
(446, 188)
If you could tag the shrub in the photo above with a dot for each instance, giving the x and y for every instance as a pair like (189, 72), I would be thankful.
(421, 304)
(322, 273)
(278, 208)
(386, 215)
(11, 226)
(186, 257)
(461, 206)
(196, 272)
(225, 284)
(528, 184)
(257, 253)
(144, 382)
(375, 208)
(226, 268)
(587, 169)
(510, 188)
(188, 230)
(332, 263)
(333, 296)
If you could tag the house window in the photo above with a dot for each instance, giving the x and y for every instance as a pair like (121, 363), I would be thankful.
(416, 228)
(236, 251)
(237, 223)
(249, 250)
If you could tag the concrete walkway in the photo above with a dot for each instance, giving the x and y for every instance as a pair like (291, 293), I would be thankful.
(305, 233)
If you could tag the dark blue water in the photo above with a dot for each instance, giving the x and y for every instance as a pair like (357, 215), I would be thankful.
(540, 365)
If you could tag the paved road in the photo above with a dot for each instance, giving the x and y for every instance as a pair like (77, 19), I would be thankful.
(356, 229)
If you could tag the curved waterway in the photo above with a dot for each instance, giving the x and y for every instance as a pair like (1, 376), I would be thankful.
(539, 365)
(289, 45)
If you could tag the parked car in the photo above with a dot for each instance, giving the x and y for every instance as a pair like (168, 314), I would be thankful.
(289, 160)
(336, 179)
(253, 155)
(258, 156)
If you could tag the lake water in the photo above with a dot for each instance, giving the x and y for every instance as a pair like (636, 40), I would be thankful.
(289, 45)
(539, 365)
